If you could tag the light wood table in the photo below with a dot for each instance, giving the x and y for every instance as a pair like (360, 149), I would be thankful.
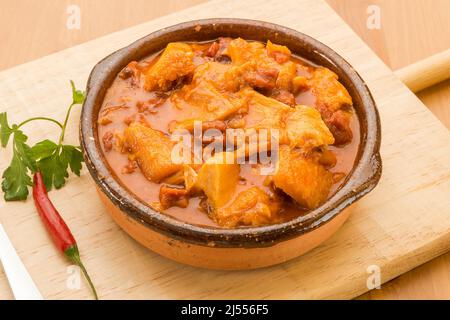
(410, 30)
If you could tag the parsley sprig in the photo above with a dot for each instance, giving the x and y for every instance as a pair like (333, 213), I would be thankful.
(52, 159)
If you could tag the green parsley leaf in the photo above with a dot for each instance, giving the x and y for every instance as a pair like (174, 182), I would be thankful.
(5, 130)
(23, 150)
(53, 171)
(74, 157)
(78, 96)
(54, 161)
(16, 178)
(43, 149)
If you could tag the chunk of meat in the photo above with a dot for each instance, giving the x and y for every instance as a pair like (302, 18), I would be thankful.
(261, 68)
(339, 124)
(287, 72)
(305, 128)
(216, 50)
(255, 73)
(252, 65)
(263, 120)
(280, 53)
(328, 90)
(202, 101)
(212, 49)
(306, 181)
(251, 207)
(152, 151)
(264, 112)
(301, 126)
(218, 179)
(132, 73)
(241, 51)
(217, 75)
(108, 140)
(173, 197)
(334, 103)
(240, 76)
(260, 77)
(176, 61)
(283, 96)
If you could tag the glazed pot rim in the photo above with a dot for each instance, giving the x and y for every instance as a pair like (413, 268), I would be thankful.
(362, 179)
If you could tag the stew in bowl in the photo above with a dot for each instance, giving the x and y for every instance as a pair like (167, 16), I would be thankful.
(228, 85)
(229, 143)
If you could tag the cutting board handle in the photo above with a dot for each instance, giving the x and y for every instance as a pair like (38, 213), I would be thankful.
(427, 72)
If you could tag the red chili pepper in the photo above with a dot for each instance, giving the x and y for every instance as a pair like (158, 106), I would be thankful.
(56, 226)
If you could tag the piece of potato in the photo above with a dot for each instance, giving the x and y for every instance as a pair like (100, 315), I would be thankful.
(152, 151)
(306, 181)
(306, 129)
(175, 62)
(218, 179)
(214, 73)
(301, 126)
(202, 101)
(251, 207)
(190, 179)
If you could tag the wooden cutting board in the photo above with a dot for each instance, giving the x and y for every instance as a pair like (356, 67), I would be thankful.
(403, 223)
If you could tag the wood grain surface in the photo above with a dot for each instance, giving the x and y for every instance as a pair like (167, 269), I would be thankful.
(411, 30)
(43, 31)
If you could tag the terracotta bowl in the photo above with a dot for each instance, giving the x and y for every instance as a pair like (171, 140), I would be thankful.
(241, 248)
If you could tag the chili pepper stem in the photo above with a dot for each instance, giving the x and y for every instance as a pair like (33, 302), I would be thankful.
(73, 254)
